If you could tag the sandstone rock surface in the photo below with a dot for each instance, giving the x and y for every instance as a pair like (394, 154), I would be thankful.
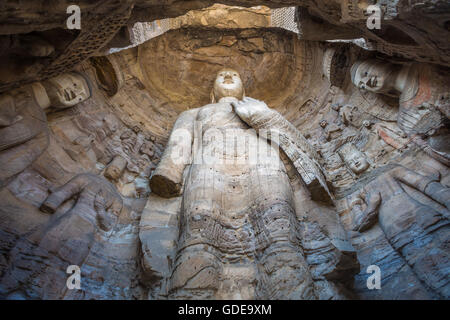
(85, 141)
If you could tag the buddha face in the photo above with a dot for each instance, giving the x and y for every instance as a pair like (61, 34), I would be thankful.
(373, 75)
(67, 90)
(353, 158)
(228, 84)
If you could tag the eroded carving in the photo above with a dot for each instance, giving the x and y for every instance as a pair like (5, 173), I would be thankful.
(23, 132)
(417, 229)
(67, 237)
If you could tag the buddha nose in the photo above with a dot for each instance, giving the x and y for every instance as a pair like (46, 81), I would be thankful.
(362, 85)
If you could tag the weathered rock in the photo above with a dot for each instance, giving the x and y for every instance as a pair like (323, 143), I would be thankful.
(250, 234)
(23, 131)
(418, 232)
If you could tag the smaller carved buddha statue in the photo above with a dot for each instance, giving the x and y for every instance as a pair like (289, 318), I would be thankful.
(423, 99)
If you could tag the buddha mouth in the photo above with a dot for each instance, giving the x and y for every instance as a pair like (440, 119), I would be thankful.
(69, 95)
(372, 82)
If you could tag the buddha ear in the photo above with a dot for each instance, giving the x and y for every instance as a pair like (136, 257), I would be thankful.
(212, 97)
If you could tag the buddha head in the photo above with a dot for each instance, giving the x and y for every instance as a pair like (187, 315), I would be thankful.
(375, 75)
(353, 158)
(67, 90)
(228, 83)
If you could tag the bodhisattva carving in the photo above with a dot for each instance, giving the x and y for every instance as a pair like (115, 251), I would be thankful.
(424, 100)
(418, 230)
(239, 234)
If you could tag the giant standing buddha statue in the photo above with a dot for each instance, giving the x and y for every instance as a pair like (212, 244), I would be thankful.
(238, 219)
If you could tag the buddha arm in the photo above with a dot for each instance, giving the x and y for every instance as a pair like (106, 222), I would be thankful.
(301, 153)
(365, 219)
(269, 122)
(167, 179)
(429, 186)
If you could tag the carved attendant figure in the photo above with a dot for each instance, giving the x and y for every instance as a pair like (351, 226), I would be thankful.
(24, 136)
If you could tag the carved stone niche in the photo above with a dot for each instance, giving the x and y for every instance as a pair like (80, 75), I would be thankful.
(335, 64)
(68, 89)
(108, 74)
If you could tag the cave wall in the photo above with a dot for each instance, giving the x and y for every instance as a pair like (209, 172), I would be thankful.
(126, 124)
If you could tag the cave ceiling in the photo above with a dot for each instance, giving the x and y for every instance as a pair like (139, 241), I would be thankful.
(106, 23)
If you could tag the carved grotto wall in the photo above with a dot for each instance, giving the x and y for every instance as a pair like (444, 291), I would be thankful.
(79, 143)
